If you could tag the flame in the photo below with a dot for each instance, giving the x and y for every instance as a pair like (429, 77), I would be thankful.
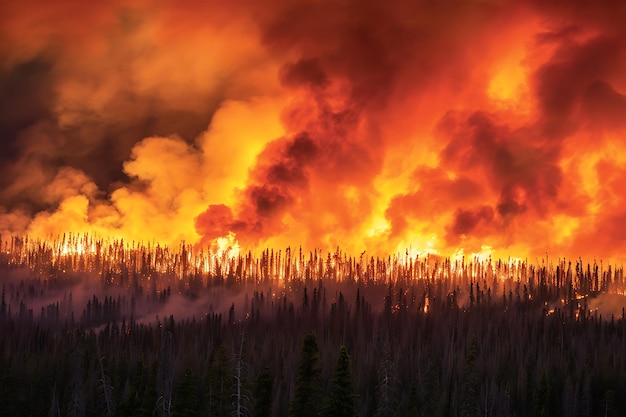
(226, 247)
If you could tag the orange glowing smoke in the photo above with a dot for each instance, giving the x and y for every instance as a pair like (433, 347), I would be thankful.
(465, 127)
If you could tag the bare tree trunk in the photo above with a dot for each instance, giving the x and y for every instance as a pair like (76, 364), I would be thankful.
(106, 395)
(240, 409)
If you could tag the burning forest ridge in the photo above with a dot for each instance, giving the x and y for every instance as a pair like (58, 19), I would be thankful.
(149, 280)
(173, 329)
(444, 127)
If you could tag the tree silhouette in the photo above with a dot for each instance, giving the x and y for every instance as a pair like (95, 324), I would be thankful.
(341, 397)
(76, 405)
(263, 394)
(131, 405)
(386, 385)
(308, 392)
(469, 390)
(220, 385)
(186, 399)
(542, 397)
(165, 376)
(149, 400)
(239, 397)
(106, 391)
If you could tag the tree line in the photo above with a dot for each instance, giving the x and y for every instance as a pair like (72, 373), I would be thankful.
(322, 349)
(125, 330)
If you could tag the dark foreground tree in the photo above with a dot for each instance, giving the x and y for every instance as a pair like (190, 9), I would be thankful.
(341, 397)
(387, 384)
(186, 400)
(220, 385)
(165, 376)
(308, 392)
(76, 405)
(263, 394)
(469, 390)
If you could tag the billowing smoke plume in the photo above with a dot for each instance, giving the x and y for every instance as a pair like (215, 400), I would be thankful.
(439, 126)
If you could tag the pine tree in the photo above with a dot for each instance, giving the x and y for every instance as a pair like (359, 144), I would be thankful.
(469, 390)
(76, 405)
(220, 385)
(149, 401)
(165, 375)
(341, 399)
(386, 385)
(307, 396)
(542, 397)
(430, 389)
(131, 404)
(185, 403)
(263, 394)
(414, 405)
(3, 305)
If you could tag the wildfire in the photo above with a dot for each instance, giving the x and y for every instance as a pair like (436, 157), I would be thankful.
(491, 131)
(116, 259)
(76, 245)
(226, 246)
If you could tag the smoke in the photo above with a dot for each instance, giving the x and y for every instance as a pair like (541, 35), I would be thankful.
(440, 126)
(608, 305)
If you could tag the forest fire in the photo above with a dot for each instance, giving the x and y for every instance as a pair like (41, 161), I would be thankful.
(118, 260)
(96, 295)
(433, 194)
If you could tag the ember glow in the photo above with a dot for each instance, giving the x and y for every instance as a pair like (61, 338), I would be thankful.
(134, 264)
(479, 128)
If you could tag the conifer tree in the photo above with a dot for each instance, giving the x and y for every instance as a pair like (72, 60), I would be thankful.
(386, 385)
(307, 396)
(131, 404)
(469, 390)
(542, 397)
(220, 385)
(341, 397)
(263, 394)
(186, 399)
(165, 375)
(76, 405)
(149, 401)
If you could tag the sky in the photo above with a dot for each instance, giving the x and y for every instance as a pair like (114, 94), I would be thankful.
(428, 126)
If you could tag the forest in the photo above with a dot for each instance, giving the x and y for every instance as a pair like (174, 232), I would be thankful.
(91, 327)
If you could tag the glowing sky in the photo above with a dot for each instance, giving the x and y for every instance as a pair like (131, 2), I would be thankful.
(363, 124)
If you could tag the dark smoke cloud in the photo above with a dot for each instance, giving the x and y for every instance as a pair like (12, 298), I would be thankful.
(467, 220)
(80, 94)
(525, 172)
(522, 165)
